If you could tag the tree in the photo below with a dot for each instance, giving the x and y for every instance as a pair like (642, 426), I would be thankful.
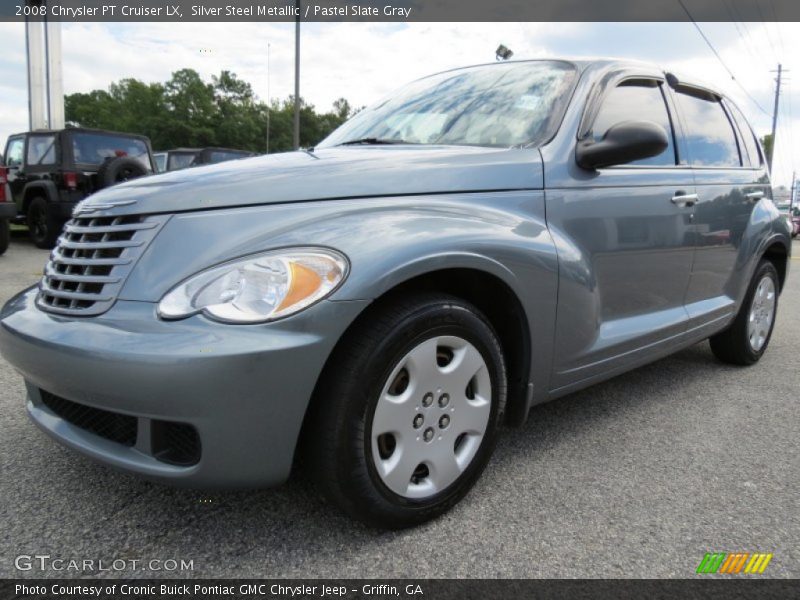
(187, 111)
(766, 143)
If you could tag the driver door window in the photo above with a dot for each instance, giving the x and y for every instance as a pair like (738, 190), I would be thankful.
(637, 100)
(14, 152)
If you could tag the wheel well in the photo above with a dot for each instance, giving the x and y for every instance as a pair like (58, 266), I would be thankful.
(498, 302)
(30, 194)
(778, 256)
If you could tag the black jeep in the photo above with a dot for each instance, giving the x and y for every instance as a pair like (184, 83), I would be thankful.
(48, 172)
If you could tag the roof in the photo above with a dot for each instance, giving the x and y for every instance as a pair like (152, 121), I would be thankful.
(83, 130)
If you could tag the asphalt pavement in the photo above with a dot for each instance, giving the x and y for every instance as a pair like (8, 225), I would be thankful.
(636, 477)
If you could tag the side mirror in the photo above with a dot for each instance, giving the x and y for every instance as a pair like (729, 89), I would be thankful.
(625, 142)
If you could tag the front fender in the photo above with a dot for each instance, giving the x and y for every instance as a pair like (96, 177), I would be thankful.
(388, 241)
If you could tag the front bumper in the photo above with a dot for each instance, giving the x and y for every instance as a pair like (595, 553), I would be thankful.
(243, 388)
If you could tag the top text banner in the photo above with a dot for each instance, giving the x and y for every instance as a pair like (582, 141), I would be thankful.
(398, 10)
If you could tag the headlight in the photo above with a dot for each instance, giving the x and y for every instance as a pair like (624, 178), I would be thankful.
(258, 288)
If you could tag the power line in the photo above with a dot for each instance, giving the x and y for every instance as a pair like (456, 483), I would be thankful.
(766, 29)
(719, 58)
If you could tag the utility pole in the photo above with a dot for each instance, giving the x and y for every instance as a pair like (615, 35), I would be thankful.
(792, 201)
(775, 114)
(297, 77)
(269, 108)
(45, 82)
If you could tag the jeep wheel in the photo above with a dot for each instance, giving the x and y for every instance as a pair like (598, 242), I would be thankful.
(5, 235)
(42, 227)
(407, 411)
(118, 170)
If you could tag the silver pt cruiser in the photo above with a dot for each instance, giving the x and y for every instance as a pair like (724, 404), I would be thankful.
(481, 241)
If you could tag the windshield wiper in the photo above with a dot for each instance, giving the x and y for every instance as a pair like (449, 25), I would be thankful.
(372, 141)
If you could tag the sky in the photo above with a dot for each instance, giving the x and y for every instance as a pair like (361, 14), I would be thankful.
(365, 61)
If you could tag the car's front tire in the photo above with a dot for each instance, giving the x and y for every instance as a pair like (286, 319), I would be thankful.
(407, 410)
(746, 340)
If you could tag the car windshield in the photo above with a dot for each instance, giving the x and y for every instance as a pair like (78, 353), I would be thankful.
(95, 148)
(502, 105)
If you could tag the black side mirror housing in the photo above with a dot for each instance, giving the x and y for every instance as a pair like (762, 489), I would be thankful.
(625, 142)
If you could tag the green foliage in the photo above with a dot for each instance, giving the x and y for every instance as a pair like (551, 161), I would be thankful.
(766, 143)
(186, 111)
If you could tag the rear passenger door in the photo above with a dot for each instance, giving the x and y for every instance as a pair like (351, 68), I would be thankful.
(730, 181)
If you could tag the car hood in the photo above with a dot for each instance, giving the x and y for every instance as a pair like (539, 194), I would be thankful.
(330, 173)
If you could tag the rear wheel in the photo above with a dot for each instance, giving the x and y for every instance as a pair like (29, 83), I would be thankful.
(5, 235)
(746, 340)
(42, 227)
(407, 411)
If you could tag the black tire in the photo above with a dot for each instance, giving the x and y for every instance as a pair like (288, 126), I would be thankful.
(733, 345)
(5, 235)
(337, 439)
(42, 227)
(117, 170)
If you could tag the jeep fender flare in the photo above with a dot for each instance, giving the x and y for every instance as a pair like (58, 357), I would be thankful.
(46, 189)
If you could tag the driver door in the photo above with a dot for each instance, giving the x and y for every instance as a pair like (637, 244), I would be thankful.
(626, 252)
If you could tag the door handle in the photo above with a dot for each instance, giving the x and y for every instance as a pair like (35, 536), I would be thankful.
(684, 199)
(754, 196)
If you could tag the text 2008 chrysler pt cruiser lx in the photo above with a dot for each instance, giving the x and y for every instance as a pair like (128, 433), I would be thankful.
(481, 241)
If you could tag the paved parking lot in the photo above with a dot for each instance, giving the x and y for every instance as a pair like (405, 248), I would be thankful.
(637, 477)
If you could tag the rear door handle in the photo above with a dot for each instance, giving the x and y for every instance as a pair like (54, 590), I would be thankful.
(754, 196)
(680, 199)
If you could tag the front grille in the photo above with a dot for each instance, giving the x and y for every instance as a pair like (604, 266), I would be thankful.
(93, 258)
(112, 426)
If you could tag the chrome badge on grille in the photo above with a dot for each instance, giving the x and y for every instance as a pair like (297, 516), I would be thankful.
(86, 207)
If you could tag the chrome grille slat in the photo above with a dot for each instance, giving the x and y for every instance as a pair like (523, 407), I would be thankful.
(79, 278)
(58, 258)
(62, 243)
(73, 295)
(79, 229)
(92, 260)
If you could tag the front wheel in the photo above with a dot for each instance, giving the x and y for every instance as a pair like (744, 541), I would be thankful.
(746, 340)
(407, 411)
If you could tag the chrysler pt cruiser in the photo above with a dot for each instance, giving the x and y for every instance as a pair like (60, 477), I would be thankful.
(480, 241)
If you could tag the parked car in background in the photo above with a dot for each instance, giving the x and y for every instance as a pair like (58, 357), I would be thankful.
(49, 171)
(795, 221)
(785, 208)
(160, 160)
(483, 240)
(182, 158)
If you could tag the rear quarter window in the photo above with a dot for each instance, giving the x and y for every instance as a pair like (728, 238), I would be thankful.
(747, 136)
(41, 150)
